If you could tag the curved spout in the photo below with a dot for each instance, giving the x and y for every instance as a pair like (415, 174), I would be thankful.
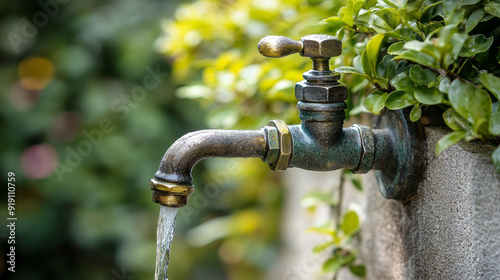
(173, 182)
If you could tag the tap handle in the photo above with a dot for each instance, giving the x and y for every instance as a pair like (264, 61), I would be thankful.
(319, 47)
(278, 46)
(313, 46)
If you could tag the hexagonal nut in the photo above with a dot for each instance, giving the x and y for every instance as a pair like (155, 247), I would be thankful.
(320, 92)
(273, 144)
(285, 145)
(319, 45)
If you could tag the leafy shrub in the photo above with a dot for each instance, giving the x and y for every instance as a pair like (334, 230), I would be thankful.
(428, 53)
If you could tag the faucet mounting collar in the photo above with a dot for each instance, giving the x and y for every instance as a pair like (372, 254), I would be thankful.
(400, 177)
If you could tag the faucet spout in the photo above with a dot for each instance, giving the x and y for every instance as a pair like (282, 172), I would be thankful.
(173, 183)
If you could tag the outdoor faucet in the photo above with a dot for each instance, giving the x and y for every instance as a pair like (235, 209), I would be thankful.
(393, 147)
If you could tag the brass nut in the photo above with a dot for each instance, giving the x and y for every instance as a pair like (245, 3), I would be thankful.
(273, 145)
(319, 45)
(285, 145)
(367, 149)
(170, 194)
(320, 92)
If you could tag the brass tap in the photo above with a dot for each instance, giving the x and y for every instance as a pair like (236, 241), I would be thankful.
(392, 147)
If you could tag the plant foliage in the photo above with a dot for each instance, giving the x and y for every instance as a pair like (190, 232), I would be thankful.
(426, 53)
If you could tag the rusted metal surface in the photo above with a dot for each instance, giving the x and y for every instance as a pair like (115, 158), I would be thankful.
(173, 183)
(180, 158)
(310, 154)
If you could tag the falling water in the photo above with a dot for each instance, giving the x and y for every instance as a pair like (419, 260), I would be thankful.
(165, 234)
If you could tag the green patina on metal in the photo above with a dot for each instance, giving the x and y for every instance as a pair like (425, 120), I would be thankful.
(320, 142)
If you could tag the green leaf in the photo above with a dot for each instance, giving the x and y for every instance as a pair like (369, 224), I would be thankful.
(449, 43)
(456, 18)
(444, 84)
(428, 96)
(491, 82)
(449, 140)
(365, 63)
(419, 58)
(496, 159)
(325, 228)
(423, 76)
(392, 3)
(473, 20)
(415, 113)
(333, 264)
(348, 17)
(495, 123)
(424, 47)
(457, 41)
(449, 6)
(487, 17)
(492, 8)
(350, 223)
(470, 102)
(335, 23)
(358, 270)
(356, 182)
(455, 121)
(402, 33)
(321, 247)
(375, 102)
(386, 68)
(356, 7)
(390, 16)
(432, 28)
(399, 100)
(475, 44)
(369, 3)
(396, 48)
(370, 54)
(403, 82)
(349, 70)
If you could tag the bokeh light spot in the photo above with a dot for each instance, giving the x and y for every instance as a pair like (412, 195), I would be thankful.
(37, 160)
(35, 73)
(21, 98)
(65, 127)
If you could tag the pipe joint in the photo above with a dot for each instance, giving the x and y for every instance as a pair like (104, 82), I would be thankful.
(279, 142)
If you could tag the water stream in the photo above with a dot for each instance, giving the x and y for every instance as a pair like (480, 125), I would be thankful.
(165, 234)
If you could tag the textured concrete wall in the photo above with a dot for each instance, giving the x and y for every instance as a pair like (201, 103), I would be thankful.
(449, 230)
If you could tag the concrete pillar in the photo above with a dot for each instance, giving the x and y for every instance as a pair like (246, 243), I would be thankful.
(450, 229)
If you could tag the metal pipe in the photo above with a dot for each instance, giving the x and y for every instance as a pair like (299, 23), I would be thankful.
(172, 183)
(311, 154)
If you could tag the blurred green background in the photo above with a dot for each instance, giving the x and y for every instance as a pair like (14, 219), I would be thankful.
(84, 124)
